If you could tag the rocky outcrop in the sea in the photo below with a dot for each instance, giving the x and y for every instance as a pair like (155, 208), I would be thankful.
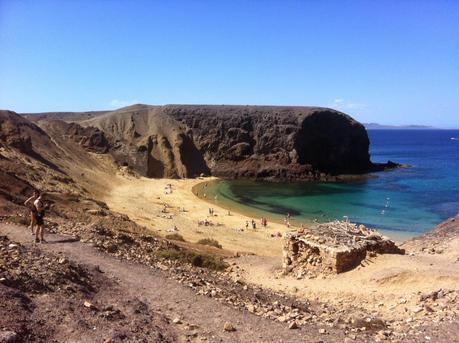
(260, 142)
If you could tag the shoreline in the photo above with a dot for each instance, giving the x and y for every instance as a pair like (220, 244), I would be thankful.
(143, 200)
(245, 210)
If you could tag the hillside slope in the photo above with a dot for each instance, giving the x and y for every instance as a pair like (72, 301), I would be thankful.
(262, 142)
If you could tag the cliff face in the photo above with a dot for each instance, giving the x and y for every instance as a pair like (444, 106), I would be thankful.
(275, 142)
(263, 142)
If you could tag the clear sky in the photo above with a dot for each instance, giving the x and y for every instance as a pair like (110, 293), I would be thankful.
(391, 62)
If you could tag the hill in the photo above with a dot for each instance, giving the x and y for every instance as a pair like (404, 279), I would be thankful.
(375, 126)
(262, 142)
(127, 260)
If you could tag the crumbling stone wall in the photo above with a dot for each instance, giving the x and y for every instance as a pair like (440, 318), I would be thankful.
(332, 248)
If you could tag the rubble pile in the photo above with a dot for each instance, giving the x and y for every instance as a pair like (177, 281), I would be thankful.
(45, 297)
(332, 248)
(29, 270)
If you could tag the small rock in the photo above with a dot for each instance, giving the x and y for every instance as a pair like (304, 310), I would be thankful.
(282, 318)
(8, 336)
(293, 325)
(417, 309)
(177, 321)
(89, 305)
(322, 331)
(352, 336)
(229, 327)
(402, 301)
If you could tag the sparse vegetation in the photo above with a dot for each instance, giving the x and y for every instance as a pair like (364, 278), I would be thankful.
(175, 237)
(19, 220)
(210, 241)
(197, 260)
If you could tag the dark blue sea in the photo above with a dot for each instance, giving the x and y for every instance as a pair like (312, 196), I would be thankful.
(405, 201)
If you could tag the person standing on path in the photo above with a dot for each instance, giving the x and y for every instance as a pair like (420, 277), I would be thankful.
(33, 211)
(40, 208)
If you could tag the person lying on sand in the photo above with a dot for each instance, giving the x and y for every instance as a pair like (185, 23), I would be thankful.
(40, 215)
(33, 211)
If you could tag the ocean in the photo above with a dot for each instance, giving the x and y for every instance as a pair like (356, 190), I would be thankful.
(403, 202)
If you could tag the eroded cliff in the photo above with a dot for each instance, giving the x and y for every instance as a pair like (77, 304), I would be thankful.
(260, 142)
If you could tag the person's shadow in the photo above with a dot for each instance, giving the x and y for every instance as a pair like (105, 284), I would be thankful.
(64, 240)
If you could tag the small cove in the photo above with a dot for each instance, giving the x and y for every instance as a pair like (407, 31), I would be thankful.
(403, 202)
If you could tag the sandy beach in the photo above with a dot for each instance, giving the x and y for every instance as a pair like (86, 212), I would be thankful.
(152, 203)
(382, 280)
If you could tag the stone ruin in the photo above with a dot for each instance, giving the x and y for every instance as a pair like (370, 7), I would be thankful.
(332, 248)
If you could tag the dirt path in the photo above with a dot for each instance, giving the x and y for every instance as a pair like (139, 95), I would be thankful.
(206, 317)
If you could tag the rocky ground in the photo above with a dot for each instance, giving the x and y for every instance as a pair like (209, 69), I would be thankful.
(45, 297)
(190, 304)
(69, 279)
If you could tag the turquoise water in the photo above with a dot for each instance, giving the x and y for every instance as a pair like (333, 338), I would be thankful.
(405, 201)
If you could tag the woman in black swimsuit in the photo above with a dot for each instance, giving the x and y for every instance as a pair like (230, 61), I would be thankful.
(33, 211)
(40, 207)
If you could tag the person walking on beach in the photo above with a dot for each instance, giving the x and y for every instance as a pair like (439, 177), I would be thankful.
(264, 222)
(33, 210)
(40, 214)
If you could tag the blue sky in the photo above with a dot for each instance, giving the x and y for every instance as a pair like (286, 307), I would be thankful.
(392, 62)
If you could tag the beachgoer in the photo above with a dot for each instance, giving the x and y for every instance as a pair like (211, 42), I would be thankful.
(247, 224)
(254, 225)
(33, 211)
(40, 208)
(301, 228)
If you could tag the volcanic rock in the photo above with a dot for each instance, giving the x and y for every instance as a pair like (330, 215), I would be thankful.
(333, 247)
(259, 142)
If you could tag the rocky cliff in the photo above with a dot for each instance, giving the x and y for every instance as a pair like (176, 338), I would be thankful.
(260, 142)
